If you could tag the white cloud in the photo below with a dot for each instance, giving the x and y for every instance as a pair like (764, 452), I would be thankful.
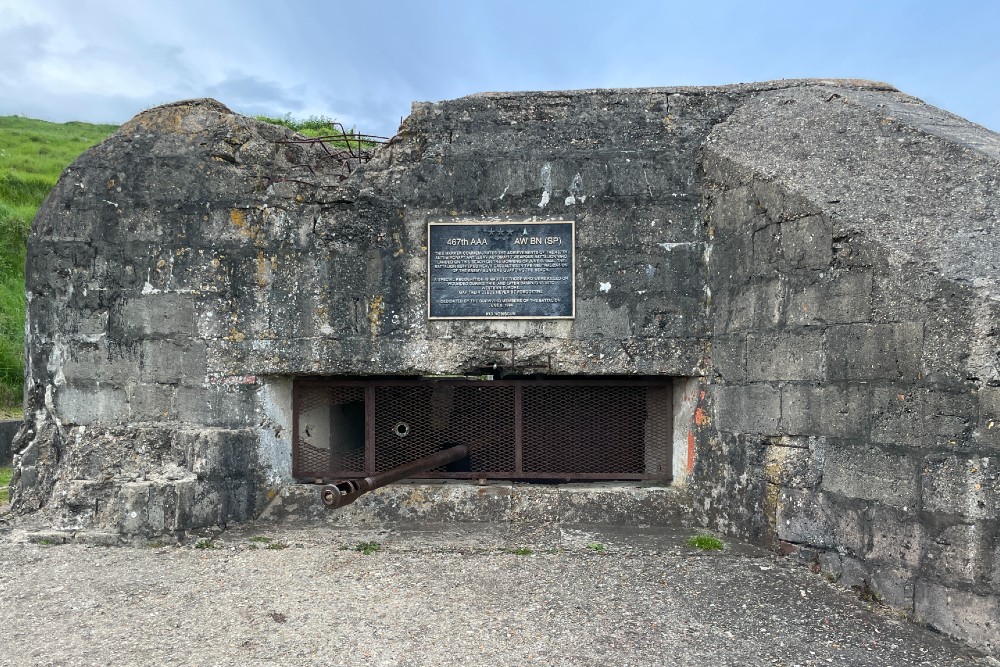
(103, 61)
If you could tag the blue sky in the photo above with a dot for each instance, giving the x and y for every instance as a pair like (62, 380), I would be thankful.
(106, 61)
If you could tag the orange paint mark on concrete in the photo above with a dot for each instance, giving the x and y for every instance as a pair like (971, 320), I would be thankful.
(700, 418)
(690, 465)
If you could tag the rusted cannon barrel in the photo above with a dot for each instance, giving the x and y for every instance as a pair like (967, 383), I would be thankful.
(346, 492)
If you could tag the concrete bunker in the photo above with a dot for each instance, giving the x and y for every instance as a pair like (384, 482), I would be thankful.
(809, 266)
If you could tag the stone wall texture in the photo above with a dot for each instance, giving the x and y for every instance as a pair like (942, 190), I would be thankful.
(815, 261)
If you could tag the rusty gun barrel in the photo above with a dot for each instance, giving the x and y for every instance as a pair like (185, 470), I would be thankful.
(346, 492)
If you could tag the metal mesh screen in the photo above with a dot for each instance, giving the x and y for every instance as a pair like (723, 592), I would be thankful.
(584, 429)
(516, 429)
(329, 431)
(415, 421)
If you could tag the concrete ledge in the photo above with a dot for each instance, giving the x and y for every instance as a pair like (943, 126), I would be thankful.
(625, 504)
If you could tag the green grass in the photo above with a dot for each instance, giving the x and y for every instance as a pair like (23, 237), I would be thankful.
(314, 126)
(6, 472)
(33, 153)
(367, 548)
(706, 543)
(321, 126)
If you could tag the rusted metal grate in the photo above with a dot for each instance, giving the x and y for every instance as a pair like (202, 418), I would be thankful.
(415, 421)
(515, 429)
(329, 430)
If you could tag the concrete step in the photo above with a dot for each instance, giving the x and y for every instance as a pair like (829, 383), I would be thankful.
(619, 503)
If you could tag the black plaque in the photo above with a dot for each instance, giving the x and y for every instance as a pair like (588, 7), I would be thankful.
(500, 270)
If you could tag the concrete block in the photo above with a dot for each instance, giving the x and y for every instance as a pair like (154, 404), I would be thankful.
(748, 409)
(674, 316)
(874, 352)
(817, 520)
(185, 492)
(965, 614)
(757, 306)
(209, 505)
(779, 203)
(846, 570)
(805, 243)
(733, 211)
(731, 262)
(729, 359)
(87, 363)
(948, 344)
(92, 323)
(83, 493)
(227, 406)
(901, 293)
(596, 319)
(88, 404)
(800, 517)
(240, 500)
(995, 569)
(586, 504)
(897, 538)
(148, 508)
(180, 361)
(648, 222)
(795, 462)
(97, 538)
(835, 297)
(988, 431)
(833, 411)
(218, 453)
(766, 247)
(962, 485)
(49, 537)
(868, 472)
(896, 416)
(786, 355)
(948, 417)
(151, 402)
(219, 502)
(958, 554)
(154, 315)
(895, 586)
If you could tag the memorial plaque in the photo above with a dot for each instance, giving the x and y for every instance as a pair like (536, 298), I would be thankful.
(500, 270)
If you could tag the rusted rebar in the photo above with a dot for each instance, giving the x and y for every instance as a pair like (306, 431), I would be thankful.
(346, 148)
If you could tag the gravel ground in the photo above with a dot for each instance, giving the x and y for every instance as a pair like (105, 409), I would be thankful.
(440, 595)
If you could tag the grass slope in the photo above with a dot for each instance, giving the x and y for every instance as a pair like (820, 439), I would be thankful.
(33, 153)
(6, 473)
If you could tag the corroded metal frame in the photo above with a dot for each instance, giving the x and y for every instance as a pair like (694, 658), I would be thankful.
(369, 386)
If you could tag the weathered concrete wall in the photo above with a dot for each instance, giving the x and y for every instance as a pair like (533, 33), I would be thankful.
(183, 271)
(814, 261)
(855, 356)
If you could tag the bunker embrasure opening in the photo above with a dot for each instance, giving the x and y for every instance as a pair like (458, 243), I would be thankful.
(516, 429)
